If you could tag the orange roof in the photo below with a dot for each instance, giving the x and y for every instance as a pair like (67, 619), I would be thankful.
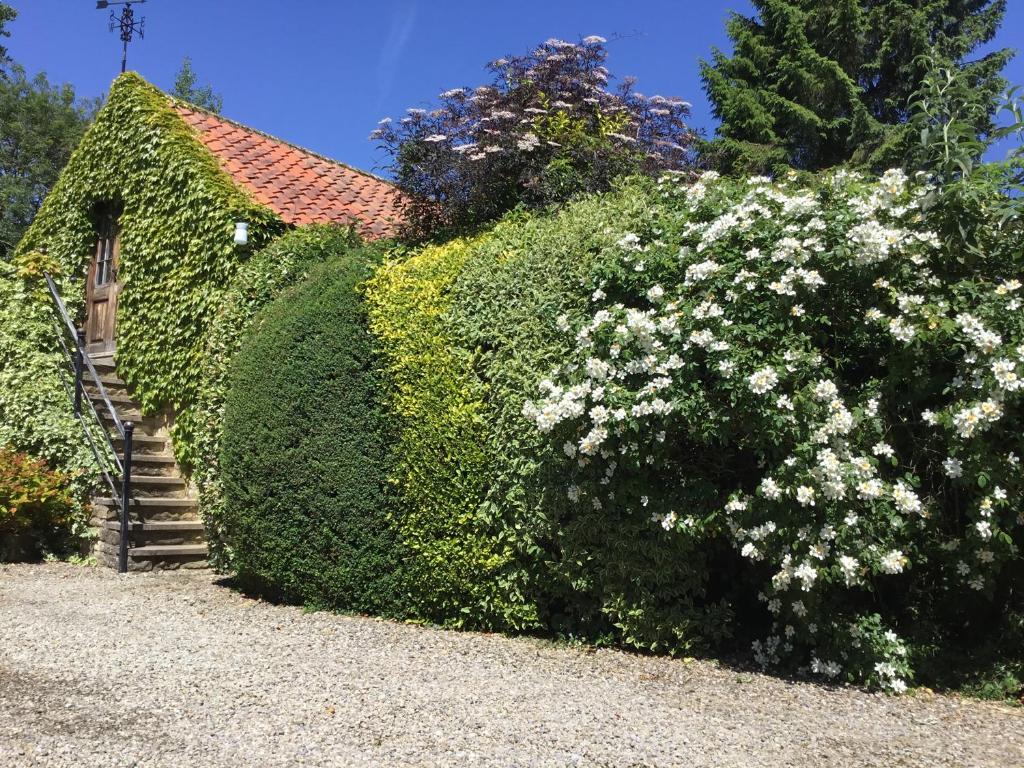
(302, 187)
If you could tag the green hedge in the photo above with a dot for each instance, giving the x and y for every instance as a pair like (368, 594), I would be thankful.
(304, 455)
(465, 329)
(459, 573)
(281, 264)
(782, 416)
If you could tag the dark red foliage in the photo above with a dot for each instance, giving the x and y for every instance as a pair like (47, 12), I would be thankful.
(546, 129)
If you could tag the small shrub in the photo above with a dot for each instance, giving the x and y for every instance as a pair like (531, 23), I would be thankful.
(548, 128)
(38, 509)
(304, 452)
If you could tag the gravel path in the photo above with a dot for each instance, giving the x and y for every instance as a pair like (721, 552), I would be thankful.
(172, 669)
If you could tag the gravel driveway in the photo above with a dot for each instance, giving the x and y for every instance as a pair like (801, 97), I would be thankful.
(172, 669)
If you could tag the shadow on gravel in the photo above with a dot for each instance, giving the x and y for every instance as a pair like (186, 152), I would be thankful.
(732, 662)
(1008, 691)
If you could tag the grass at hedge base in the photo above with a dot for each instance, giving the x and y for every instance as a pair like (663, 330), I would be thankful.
(304, 456)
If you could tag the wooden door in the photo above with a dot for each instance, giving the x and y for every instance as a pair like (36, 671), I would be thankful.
(102, 287)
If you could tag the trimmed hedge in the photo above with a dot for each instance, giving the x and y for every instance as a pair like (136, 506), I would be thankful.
(459, 573)
(608, 578)
(283, 263)
(674, 417)
(465, 329)
(304, 456)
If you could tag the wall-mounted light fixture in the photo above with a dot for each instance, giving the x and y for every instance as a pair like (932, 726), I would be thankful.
(241, 233)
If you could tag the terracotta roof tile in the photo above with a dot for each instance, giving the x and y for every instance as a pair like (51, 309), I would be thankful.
(302, 187)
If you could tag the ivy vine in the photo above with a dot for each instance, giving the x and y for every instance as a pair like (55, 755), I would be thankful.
(177, 253)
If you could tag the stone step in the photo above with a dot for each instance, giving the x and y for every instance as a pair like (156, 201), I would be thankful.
(125, 412)
(152, 502)
(113, 391)
(169, 550)
(144, 444)
(148, 426)
(159, 486)
(111, 380)
(148, 458)
(118, 399)
(103, 362)
(158, 464)
(148, 508)
(103, 515)
(167, 558)
(155, 532)
(155, 557)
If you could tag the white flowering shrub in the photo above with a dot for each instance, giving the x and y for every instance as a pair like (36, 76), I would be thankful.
(812, 374)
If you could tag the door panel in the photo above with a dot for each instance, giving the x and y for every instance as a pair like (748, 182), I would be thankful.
(102, 287)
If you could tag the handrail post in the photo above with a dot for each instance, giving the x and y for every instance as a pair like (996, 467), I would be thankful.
(79, 365)
(126, 484)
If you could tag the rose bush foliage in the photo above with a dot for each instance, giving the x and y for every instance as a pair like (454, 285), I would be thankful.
(39, 507)
(819, 375)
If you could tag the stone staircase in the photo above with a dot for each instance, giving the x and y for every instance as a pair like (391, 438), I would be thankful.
(165, 529)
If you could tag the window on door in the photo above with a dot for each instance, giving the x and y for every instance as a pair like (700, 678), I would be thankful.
(107, 236)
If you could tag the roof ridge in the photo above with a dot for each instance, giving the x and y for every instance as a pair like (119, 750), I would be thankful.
(217, 116)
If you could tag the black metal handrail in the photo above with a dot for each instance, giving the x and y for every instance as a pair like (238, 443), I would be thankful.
(106, 457)
(110, 465)
(77, 335)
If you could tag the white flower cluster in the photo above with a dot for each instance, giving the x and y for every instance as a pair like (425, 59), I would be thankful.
(984, 339)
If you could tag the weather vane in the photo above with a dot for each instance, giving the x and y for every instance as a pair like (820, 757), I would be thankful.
(125, 23)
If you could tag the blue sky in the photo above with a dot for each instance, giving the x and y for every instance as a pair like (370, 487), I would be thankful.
(321, 74)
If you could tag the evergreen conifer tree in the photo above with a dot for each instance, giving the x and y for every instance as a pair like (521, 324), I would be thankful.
(187, 88)
(812, 84)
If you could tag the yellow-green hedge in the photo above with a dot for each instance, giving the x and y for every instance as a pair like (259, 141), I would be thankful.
(459, 574)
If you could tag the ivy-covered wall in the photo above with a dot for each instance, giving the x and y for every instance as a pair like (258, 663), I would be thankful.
(177, 253)
(35, 416)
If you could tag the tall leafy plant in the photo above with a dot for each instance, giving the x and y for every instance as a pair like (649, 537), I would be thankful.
(548, 127)
(40, 125)
(187, 88)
